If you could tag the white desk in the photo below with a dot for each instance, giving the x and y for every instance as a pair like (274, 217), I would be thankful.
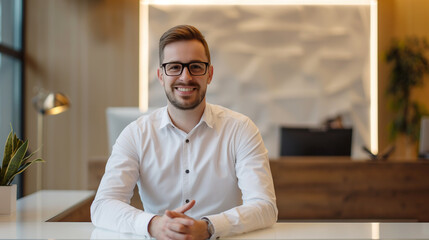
(32, 212)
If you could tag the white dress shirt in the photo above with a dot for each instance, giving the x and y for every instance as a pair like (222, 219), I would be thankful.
(222, 163)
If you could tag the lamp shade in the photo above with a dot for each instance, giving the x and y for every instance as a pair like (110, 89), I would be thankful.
(51, 103)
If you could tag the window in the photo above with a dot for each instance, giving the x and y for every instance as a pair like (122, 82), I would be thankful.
(11, 72)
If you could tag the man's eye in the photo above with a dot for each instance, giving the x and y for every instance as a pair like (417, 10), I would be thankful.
(174, 67)
(197, 67)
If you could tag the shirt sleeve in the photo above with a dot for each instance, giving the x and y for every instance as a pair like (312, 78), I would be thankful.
(253, 172)
(111, 208)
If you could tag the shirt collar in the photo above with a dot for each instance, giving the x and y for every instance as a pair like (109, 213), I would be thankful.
(207, 117)
(165, 119)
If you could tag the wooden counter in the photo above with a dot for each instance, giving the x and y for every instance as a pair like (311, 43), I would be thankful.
(339, 188)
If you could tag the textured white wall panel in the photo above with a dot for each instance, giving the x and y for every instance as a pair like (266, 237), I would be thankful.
(280, 65)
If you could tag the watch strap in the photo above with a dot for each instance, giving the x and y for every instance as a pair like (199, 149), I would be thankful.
(210, 227)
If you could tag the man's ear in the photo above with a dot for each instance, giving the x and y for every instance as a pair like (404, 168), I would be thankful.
(160, 75)
(210, 74)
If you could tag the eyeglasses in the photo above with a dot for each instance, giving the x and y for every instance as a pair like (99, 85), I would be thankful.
(194, 68)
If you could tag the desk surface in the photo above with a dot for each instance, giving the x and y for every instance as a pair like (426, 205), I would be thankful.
(29, 222)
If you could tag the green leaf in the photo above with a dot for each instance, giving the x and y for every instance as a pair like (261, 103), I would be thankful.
(17, 143)
(7, 154)
(27, 164)
(15, 163)
(22, 168)
(29, 156)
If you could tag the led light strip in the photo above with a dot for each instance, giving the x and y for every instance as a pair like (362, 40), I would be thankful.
(373, 71)
(143, 56)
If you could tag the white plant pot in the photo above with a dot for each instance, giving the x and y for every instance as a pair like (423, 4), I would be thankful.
(7, 199)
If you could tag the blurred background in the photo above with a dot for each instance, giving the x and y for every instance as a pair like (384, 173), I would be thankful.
(89, 50)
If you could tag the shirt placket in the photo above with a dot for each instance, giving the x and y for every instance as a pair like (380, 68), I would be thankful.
(186, 193)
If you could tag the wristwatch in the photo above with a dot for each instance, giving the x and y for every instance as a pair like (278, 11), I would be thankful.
(210, 228)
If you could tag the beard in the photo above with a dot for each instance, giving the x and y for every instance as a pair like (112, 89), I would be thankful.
(185, 105)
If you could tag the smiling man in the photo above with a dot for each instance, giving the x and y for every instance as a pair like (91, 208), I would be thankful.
(202, 170)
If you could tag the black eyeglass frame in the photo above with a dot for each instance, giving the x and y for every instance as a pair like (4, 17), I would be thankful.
(183, 67)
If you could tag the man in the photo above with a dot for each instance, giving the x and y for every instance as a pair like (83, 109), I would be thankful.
(202, 170)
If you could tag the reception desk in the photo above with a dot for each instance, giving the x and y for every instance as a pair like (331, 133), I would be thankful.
(341, 189)
(33, 220)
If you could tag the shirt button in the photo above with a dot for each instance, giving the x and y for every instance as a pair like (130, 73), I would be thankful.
(187, 140)
(187, 171)
(187, 200)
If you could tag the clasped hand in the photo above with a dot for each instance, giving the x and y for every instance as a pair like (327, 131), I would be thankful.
(176, 225)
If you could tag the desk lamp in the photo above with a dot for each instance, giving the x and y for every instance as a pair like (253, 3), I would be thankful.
(47, 104)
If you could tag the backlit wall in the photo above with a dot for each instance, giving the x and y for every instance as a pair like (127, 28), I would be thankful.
(281, 65)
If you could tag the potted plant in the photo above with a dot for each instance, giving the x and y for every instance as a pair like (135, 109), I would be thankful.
(15, 161)
(409, 67)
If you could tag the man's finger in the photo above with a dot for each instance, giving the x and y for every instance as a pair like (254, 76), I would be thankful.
(186, 220)
(172, 214)
(178, 227)
(185, 207)
(175, 235)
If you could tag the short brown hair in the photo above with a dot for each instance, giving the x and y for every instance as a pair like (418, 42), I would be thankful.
(180, 33)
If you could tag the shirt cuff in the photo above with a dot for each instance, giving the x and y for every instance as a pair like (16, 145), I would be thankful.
(220, 225)
(141, 226)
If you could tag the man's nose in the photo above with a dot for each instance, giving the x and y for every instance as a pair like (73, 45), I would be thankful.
(186, 75)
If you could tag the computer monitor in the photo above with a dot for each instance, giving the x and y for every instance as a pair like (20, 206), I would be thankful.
(315, 142)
